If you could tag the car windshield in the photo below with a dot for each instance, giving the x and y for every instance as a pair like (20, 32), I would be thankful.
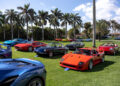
(83, 51)
(108, 44)
(29, 42)
(72, 43)
(15, 39)
(54, 45)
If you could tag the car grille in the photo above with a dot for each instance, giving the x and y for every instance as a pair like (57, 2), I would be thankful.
(69, 65)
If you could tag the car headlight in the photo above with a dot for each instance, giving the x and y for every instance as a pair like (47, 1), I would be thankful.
(111, 48)
(81, 63)
(9, 81)
(62, 60)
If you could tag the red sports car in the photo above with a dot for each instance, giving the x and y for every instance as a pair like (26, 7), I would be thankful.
(109, 48)
(82, 59)
(58, 39)
(29, 46)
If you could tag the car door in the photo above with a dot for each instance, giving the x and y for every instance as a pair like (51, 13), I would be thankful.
(96, 56)
(59, 48)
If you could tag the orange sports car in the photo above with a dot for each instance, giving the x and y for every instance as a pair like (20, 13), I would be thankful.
(82, 59)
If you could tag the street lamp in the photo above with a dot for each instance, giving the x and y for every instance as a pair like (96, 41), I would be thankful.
(94, 24)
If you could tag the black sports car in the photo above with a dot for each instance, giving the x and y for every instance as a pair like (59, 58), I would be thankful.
(75, 45)
(51, 49)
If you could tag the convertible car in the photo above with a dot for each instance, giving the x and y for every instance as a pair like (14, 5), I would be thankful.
(29, 46)
(14, 42)
(109, 48)
(82, 59)
(5, 51)
(51, 49)
(75, 45)
(22, 72)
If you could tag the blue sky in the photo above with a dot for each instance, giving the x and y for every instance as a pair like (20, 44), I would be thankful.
(106, 9)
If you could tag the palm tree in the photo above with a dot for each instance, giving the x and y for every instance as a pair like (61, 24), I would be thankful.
(10, 17)
(32, 19)
(50, 19)
(19, 23)
(3, 23)
(65, 21)
(88, 29)
(102, 27)
(114, 25)
(75, 20)
(43, 16)
(57, 16)
(25, 13)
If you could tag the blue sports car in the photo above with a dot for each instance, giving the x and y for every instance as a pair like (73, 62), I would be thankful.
(22, 72)
(5, 51)
(51, 49)
(14, 41)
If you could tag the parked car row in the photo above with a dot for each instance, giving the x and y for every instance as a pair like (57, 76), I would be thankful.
(27, 72)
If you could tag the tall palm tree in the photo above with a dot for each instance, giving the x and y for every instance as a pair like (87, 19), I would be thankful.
(19, 22)
(43, 16)
(25, 13)
(75, 20)
(32, 19)
(50, 19)
(65, 21)
(57, 16)
(10, 17)
(3, 23)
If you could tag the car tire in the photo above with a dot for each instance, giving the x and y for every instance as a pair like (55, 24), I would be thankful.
(65, 52)
(103, 59)
(30, 49)
(50, 54)
(90, 66)
(35, 82)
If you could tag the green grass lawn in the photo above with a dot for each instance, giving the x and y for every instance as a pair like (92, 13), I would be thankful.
(103, 74)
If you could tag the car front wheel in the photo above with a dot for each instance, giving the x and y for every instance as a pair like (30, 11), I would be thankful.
(30, 49)
(35, 82)
(103, 59)
(90, 66)
(50, 54)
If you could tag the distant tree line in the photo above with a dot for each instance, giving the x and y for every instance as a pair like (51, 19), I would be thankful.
(30, 24)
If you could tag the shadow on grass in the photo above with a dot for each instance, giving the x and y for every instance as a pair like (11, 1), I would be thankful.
(47, 57)
(100, 66)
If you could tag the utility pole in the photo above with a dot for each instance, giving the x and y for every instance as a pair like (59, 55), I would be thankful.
(94, 24)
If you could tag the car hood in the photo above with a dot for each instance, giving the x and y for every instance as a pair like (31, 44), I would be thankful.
(22, 45)
(74, 59)
(41, 49)
(105, 47)
(9, 41)
(16, 67)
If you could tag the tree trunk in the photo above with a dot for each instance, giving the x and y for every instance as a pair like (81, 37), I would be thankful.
(74, 31)
(56, 32)
(4, 33)
(18, 33)
(11, 29)
(42, 33)
(66, 31)
(27, 31)
(32, 30)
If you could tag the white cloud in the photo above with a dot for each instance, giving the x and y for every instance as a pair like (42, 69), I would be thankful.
(105, 9)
